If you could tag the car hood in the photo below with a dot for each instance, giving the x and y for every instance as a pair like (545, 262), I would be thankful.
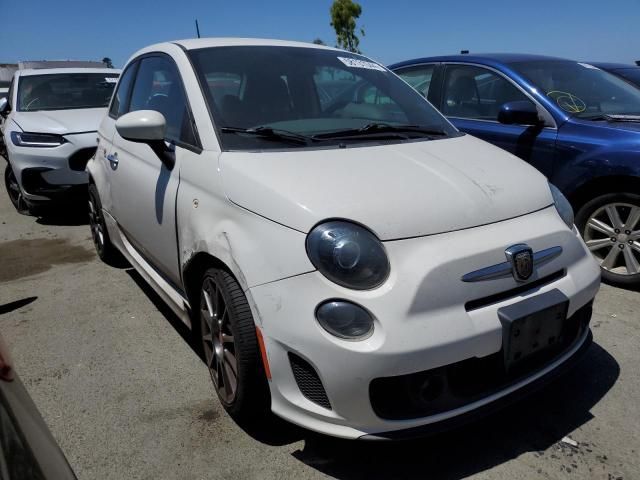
(398, 191)
(62, 122)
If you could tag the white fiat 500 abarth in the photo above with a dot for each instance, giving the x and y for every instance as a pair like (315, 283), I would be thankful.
(49, 131)
(341, 251)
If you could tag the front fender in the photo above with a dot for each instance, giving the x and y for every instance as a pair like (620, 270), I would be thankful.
(256, 250)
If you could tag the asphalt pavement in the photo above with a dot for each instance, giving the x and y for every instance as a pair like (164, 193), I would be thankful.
(126, 396)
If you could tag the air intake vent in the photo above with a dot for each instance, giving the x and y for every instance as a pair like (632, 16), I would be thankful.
(308, 381)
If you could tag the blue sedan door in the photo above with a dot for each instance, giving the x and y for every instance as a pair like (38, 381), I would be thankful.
(472, 97)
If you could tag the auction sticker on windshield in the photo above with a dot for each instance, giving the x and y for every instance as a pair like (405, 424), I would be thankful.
(355, 63)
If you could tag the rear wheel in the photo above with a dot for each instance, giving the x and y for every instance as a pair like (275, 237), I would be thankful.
(230, 345)
(14, 191)
(107, 252)
(610, 226)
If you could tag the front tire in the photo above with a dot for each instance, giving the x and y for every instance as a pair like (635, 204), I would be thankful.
(107, 252)
(610, 226)
(15, 192)
(230, 346)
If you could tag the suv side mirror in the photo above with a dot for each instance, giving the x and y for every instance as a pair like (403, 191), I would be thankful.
(4, 105)
(150, 127)
(522, 112)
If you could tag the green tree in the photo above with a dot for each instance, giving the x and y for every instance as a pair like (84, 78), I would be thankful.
(344, 14)
(107, 61)
(318, 41)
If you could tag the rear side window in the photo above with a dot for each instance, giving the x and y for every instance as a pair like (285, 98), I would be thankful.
(158, 87)
(120, 99)
(477, 93)
(418, 77)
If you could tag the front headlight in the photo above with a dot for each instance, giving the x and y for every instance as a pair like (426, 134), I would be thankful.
(564, 208)
(40, 140)
(348, 254)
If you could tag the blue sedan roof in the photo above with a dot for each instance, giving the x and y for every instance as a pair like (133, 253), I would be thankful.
(482, 58)
(613, 66)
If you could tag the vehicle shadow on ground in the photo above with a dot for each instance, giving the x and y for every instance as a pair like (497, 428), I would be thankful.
(68, 216)
(530, 425)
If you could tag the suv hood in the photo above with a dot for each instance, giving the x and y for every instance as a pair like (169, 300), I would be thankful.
(398, 191)
(62, 122)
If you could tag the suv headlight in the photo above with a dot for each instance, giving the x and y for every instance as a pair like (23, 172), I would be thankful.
(41, 140)
(348, 254)
(564, 208)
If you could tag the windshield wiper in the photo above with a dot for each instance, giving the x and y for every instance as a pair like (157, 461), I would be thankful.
(382, 128)
(622, 118)
(270, 133)
(612, 117)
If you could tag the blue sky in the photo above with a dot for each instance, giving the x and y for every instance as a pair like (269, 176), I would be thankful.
(395, 30)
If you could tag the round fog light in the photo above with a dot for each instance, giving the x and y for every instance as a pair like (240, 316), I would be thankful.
(345, 320)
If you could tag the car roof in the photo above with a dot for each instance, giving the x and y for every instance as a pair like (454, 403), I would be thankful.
(195, 43)
(613, 66)
(53, 71)
(481, 58)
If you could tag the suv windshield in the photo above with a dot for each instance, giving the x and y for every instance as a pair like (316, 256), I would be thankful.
(286, 97)
(580, 89)
(63, 91)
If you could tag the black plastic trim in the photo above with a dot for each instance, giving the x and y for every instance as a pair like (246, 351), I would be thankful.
(486, 410)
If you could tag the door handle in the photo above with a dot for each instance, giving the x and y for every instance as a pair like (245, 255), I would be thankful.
(113, 159)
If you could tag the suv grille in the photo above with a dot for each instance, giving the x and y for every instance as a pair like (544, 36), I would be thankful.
(308, 381)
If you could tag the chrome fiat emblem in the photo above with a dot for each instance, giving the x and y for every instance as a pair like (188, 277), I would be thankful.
(521, 258)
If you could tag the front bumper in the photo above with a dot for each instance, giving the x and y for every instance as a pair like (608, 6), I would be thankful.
(53, 173)
(421, 322)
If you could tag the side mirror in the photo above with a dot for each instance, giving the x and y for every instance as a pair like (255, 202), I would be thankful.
(521, 112)
(150, 127)
(4, 105)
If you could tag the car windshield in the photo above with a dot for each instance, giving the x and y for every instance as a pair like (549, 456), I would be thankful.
(63, 91)
(580, 89)
(284, 95)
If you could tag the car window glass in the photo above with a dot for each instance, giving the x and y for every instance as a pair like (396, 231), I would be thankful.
(580, 89)
(10, 93)
(418, 77)
(119, 103)
(306, 91)
(65, 91)
(477, 93)
(158, 87)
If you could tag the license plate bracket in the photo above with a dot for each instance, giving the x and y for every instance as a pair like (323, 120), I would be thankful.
(531, 326)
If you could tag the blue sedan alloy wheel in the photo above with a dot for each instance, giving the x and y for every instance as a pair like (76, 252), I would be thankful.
(610, 226)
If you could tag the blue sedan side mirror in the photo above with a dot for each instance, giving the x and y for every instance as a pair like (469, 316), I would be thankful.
(521, 112)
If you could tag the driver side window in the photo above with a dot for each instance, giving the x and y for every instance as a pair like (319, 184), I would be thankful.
(158, 87)
(477, 93)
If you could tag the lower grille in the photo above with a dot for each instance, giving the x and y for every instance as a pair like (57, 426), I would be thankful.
(78, 161)
(308, 381)
(446, 388)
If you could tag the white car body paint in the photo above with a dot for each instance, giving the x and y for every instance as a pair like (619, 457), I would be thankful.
(458, 203)
(78, 126)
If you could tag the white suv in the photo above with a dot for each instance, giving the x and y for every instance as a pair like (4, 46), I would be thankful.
(50, 131)
(336, 245)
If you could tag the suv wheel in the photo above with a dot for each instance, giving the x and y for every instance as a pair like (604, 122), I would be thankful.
(230, 345)
(107, 252)
(14, 191)
(610, 226)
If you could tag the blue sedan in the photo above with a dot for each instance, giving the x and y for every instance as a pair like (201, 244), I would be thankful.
(576, 123)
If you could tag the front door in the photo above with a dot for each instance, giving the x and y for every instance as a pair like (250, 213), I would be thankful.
(144, 189)
(472, 99)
